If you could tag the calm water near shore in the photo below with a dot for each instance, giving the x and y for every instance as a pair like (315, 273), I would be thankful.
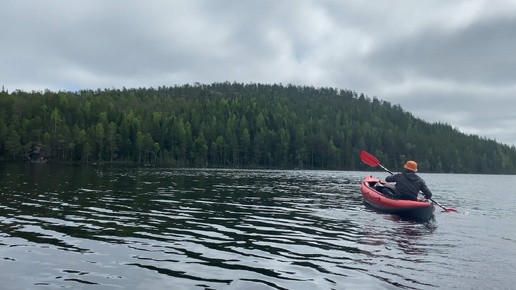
(86, 227)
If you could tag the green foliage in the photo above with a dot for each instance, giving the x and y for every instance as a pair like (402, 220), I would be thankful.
(236, 125)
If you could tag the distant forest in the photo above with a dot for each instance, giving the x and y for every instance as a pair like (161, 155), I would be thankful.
(235, 125)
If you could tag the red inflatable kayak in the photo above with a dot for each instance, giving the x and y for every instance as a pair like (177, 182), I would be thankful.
(420, 209)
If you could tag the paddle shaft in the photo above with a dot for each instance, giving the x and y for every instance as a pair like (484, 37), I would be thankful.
(446, 209)
(385, 169)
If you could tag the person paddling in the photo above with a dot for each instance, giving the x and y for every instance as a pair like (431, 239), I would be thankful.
(408, 184)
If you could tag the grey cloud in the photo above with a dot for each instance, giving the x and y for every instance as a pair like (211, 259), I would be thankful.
(481, 52)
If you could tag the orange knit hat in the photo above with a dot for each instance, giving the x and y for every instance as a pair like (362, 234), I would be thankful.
(411, 165)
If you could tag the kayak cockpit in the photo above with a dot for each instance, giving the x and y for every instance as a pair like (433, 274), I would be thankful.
(373, 196)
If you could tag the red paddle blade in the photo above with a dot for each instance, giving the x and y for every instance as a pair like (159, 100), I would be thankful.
(369, 159)
(449, 209)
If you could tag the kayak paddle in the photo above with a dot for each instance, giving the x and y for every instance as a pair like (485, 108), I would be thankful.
(371, 160)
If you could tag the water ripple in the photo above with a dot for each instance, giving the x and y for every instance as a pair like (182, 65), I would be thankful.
(246, 229)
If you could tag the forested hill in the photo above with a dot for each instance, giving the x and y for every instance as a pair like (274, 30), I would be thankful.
(235, 125)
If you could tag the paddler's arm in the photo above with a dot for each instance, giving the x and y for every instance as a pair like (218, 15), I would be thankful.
(392, 178)
(426, 192)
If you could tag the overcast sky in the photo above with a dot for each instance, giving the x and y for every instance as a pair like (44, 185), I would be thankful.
(444, 61)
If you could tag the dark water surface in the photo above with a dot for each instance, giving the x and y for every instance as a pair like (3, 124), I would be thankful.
(159, 228)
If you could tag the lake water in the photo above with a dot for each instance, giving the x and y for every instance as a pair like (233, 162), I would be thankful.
(82, 227)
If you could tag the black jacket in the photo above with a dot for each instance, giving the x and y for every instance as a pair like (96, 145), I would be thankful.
(408, 185)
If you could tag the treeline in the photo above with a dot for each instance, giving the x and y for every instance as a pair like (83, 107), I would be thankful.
(235, 125)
